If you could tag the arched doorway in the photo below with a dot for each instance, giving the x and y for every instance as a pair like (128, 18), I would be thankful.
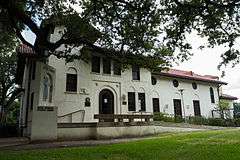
(106, 102)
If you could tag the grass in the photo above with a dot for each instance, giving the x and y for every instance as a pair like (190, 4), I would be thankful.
(217, 145)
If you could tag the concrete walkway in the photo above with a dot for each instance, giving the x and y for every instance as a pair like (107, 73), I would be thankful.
(21, 143)
(13, 141)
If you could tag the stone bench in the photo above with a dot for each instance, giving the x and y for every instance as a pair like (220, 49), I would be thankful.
(122, 117)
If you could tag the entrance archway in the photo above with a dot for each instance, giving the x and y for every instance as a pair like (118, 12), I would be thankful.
(106, 102)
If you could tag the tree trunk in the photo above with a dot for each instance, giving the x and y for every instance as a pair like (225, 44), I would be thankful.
(3, 116)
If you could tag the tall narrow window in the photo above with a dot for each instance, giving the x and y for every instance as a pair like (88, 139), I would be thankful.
(135, 73)
(50, 89)
(196, 107)
(131, 101)
(32, 100)
(212, 95)
(106, 66)
(45, 88)
(71, 80)
(155, 102)
(116, 68)
(33, 70)
(141, 98)
(177, 107)
(96, 64)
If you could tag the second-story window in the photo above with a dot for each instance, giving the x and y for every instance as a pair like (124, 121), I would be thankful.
(33, 70)
(106, 66)
(116, 68)
(175, 83)
(194, 85)
(135, 73)
(96, 64)
(212, 95)
(154, 80)
(71, 80)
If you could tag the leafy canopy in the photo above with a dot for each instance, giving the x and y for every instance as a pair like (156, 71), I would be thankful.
(154, 29)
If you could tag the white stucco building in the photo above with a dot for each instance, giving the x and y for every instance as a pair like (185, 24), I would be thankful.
(59, 92)
(76, 91)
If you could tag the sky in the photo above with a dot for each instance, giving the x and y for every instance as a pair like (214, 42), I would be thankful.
(205, 62)
(202, 62)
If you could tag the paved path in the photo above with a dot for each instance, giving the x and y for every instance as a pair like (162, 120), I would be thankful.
(13, 141)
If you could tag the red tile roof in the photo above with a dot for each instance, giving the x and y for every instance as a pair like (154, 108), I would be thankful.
(228, 97)
(25, 50)
(189, 75)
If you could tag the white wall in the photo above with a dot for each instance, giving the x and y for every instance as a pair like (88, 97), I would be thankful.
(168, 92)
(93, 83)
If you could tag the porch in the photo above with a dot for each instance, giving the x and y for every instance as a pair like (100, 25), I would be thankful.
(109, 126)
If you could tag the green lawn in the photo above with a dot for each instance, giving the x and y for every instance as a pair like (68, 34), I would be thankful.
(212, 145)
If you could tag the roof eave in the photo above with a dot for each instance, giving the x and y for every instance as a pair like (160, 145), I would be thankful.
(190, 78)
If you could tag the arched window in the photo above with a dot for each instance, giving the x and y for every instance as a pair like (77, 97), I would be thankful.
(47, 88)
(194, 85)
(50, 88)
(71, 80)
(212, 95)
(175, 83)
(154, 80)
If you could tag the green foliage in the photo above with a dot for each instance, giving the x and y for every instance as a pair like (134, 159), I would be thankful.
(13, 113)
(198, 120)
(221, 122)
(223, 104)
(237, 122)
(167, 118)
(8, 90)
(152, 28)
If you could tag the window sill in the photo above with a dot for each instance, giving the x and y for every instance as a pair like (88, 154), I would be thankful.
(68, 92)
(135, 80)
(106, 74)
(116, 75)
(95, 73)
(83, 93)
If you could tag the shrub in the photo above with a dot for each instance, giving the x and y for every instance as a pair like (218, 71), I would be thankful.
(166, 118)
(163, 117)
(178, 119)
(216, 122)
(237, 122)
(8, 130)
(198, 120)
(159, 116)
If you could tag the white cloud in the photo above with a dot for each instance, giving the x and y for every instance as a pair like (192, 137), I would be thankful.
(206, 61)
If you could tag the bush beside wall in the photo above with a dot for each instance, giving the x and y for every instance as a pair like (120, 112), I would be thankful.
(198, 120)
(166, 118)
(8, 130)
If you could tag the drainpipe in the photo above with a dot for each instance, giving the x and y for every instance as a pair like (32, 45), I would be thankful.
(28, 93)
(184, 114)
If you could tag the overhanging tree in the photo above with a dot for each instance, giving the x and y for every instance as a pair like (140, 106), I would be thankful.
(8, 91)
(128, 27)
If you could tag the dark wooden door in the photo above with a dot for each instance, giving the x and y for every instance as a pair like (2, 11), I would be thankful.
(196, 106)
(106, 102)
(177, 107)
(156, 105)
(141, 98)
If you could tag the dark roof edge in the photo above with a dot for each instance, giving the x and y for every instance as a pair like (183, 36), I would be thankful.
(190, 78)
(228, 97)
